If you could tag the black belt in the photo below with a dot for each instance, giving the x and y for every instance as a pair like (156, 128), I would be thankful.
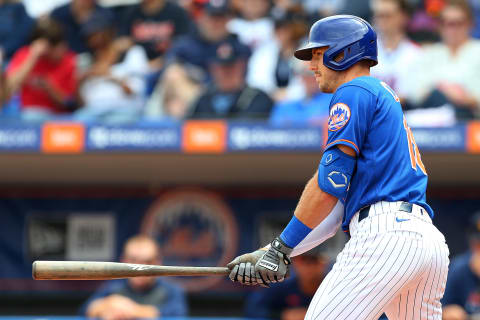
(405, 206)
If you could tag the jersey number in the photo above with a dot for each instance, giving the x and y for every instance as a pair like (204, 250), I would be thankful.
(415, 158)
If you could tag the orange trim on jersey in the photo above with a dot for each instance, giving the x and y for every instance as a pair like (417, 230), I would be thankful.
(344, 140)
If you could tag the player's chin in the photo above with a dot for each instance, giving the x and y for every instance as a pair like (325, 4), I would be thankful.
(325, 88)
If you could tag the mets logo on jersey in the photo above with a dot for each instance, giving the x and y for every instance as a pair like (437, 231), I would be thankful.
(339, 116)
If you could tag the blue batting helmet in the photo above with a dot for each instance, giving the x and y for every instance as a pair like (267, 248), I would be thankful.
(342, 33)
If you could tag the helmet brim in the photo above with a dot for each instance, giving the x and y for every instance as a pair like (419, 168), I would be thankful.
(305, 53)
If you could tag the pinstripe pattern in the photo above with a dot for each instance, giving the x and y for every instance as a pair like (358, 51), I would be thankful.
(399, 268)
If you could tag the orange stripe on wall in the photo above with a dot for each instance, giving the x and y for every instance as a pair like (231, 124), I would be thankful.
(473, 137)
(201, 136)
(63, 137)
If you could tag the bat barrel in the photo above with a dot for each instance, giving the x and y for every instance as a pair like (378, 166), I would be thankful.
(93, 270)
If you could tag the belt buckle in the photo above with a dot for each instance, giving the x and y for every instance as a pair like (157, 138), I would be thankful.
(363, 213)
(406, 207)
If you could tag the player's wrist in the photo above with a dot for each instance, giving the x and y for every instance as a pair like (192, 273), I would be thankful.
(279, 245)
(294, 233)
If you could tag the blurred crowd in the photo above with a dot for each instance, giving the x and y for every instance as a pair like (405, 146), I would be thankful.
(125, 61)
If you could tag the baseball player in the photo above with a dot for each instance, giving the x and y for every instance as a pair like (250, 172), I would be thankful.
(371, 179)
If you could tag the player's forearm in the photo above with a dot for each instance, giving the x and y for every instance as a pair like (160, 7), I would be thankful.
(313, 207)
(314, 204)
(333, 176)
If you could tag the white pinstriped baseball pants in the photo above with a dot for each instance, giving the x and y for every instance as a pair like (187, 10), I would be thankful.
(394, 266)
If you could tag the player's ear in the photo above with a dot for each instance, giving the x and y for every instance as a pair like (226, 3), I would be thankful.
(339, 57)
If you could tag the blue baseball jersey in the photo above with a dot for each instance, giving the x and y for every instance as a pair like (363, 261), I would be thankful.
(366, 115)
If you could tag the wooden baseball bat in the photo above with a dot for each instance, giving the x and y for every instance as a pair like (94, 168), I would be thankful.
(92, 270)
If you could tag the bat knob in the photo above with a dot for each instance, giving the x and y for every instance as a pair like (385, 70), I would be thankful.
(34, 270)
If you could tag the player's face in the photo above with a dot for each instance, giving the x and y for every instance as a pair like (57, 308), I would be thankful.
(327, 79)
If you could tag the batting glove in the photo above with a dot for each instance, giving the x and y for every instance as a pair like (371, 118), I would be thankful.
(243, 267)
(273, 265)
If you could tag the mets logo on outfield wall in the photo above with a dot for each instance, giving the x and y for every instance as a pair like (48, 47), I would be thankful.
(339, 116)
(194, 228)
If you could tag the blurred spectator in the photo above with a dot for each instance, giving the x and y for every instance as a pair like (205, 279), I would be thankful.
(13, 17)
(72, 16)
(112, 89)
(396, 53)
(43, 73)
(117, 3)
(140, 297)
(254, 26)
(475, 4)
(36, 8)
(193, 7)
(229, 96)
(154, 24)
(323, 7)
(3, 89)
(194, 49)
(314, 8)
(447, 72)
(423, 23)
(313, 109)
(461, 300)
(275, 57)
(289, 299)
(360, 8)
(187, 69)
(281, 7)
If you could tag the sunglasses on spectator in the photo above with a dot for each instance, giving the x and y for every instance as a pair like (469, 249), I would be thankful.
(453, 23)
(384, 15)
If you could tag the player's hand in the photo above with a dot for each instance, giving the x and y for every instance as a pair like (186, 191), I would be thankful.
(273, 266)
(243, 267)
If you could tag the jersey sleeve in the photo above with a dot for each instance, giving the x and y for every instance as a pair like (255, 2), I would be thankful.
(349, 117)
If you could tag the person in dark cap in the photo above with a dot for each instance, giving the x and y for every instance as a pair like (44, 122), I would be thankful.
(72, 16)
(187, 71)
(140, 297)
(113, 82)
(195, 47)
(229, 96)
(461, 300)
(154, 24)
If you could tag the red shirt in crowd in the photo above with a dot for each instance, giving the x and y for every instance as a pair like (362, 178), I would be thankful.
(60, 74)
